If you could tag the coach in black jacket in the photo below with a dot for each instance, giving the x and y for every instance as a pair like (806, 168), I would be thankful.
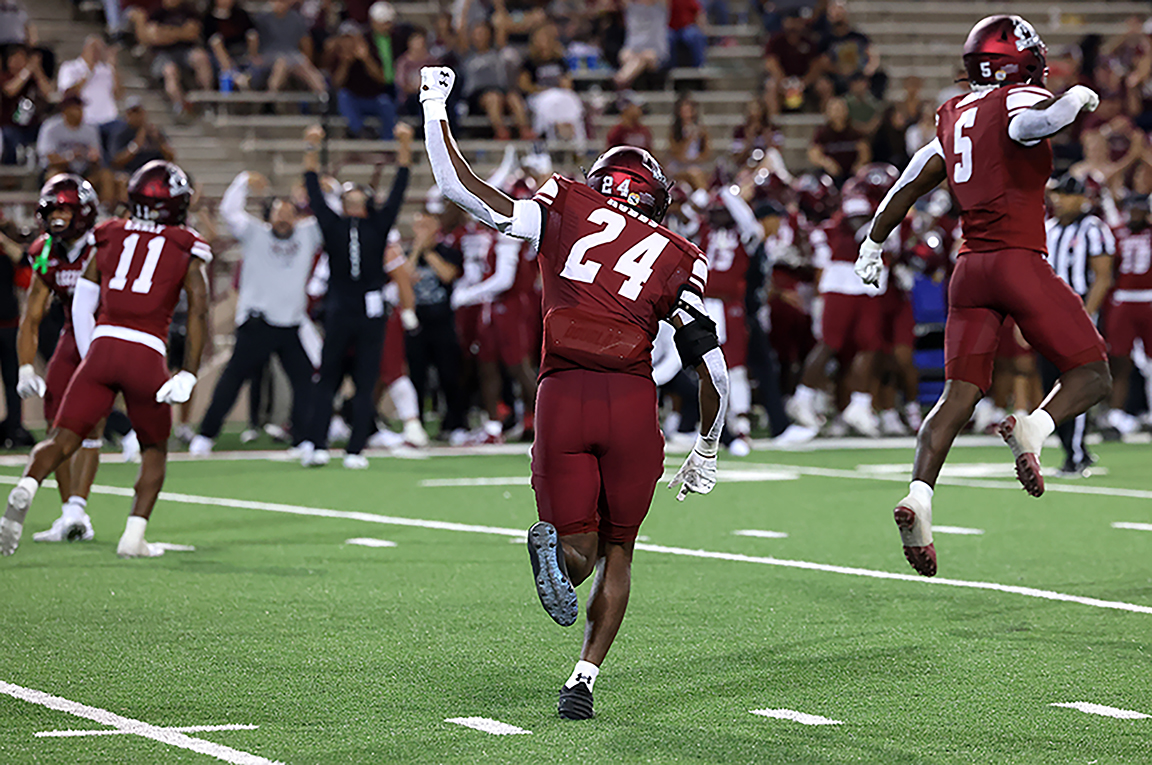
(355, 312)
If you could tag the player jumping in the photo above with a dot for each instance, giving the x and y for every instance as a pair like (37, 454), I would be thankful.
(136, 275)
(611, 273)
(991, 146)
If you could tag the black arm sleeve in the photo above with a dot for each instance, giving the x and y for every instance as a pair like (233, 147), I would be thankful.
(386, 216)
(325, 216)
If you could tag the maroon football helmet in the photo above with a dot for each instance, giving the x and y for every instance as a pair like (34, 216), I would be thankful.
(633, 176)
(816, 195)
(1005, 50)
(874, 181)
(76, 194)
(160, 191)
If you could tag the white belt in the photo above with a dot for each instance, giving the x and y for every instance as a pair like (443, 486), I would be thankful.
(1132, 296)
(132, 336)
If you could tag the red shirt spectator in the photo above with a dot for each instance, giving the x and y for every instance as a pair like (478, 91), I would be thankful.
(682, 13)
(794, 50)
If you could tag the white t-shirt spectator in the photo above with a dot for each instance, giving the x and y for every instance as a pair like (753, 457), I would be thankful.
(58, 137)
(99, 93)
(13, 22)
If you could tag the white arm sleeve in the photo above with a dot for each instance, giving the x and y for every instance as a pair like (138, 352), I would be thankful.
(1029, 126)
(507, 258)
(665, 358)
(751, 233)
(232, 207)
(919, 160)
(718, 371)
(453, 189)
(84, 302)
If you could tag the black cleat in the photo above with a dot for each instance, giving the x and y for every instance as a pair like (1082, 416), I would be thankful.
(576, 703)
(555, 589)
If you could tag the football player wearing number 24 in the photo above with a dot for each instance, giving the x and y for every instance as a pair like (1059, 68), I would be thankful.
(992, 147)
(134, 278)
(611, 274)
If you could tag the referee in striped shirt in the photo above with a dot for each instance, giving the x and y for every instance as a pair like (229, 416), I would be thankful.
(1080, 250)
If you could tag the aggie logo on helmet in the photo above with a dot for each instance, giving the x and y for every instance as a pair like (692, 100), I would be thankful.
(1026, 36)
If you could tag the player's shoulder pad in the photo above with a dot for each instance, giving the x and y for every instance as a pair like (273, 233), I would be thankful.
(195, 243)
(554, 189)
(695, 261)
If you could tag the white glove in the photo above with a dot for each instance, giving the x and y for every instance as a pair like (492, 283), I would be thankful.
(870, 262)
(178, 389)
(1087, 97)
(409, 320)
(436, 83)
(30, 384)
(698, 473)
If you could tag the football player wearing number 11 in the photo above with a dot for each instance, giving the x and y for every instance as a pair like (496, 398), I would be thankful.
(611, 274)
(991, 146)
(135, 278)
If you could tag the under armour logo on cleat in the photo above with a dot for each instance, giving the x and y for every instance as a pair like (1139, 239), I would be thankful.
(582, 678)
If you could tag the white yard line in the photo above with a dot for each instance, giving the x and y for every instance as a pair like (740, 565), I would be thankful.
(369, 542)
(1133, 526)
(760, 534)
(1099, 709)
(125, 732)
(495, 727)
(794, 716)
(136, 727)
(961, 530)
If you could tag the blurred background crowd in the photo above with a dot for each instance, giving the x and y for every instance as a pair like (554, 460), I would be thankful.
(782, 124)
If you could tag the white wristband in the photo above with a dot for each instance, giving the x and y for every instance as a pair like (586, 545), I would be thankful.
(435, 111)
(707, 447)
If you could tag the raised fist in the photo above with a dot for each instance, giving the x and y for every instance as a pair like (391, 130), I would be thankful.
(436, 83)
(314, 135)
(402, 133)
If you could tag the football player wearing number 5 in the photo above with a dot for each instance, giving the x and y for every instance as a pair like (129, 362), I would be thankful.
(135, 277)
(611, 273)
(991, 146)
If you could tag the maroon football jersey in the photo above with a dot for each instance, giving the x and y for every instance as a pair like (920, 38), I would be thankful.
(835, 239)
(998, 182)
(477, 243)
(1133, 259)
(610, 276)
(728, 264)
(64, 267)
(142, 268)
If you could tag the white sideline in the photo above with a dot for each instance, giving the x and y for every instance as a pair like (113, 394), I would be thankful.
(1132, 526)
(794, 716)
(121, 732)
(961, 530)
(495, 727)
(369, 542)
(1099, 709)
(277, 507)
(760, 534)
(136, 727)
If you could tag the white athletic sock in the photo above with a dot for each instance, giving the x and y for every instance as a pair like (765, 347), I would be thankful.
(74, 508)
(1041, 424)
(805, 395)
(29, 484)
(862, 399)
(403, 394)
(134, 531)
(921, 492)
(585, 672)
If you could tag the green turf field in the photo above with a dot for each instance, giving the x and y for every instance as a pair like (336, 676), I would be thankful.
(350, 654)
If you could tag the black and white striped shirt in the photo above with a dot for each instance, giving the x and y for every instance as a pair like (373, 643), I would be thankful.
(1072, 246)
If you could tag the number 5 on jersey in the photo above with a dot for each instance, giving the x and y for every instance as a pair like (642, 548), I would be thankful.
(962, 146)
(636, 263)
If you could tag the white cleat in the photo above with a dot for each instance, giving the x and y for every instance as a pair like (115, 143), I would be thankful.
(138, 549)
(130, 447)
(914, 519)
(801, 411)
(914, 416)
(315, 458)
(1122, 421)
(862, 419)
(890, 423)
(247, 437)
(12, 524)
(72, 528)
(201, 446)
(356, 462)
(740, 447)
(795, 434)
(385, 439)
(415, 435)
(986, 416)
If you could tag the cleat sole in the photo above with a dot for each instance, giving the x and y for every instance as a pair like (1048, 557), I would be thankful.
(923, 559)
(1027, 466)
(557, 594)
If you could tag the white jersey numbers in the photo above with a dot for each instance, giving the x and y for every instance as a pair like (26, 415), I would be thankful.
(636, 263)
(143, 282)
(962, 146)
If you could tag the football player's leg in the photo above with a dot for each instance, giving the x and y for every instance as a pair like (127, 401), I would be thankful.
(1053, 320)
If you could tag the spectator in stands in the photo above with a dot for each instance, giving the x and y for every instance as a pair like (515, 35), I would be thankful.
(361, 90)
(864, 109)
(487, 86)
(684, 30)
(1099, 168)
(137, 141)
(792, 63)
(849, 52)
(757, 133)
(281, 47)
(15, 29)
(387, 40)
(556, 109)
(838, 148)
(645, 40)
(67, 145)
(226, 28)
(629, 131)
(443, 42)
(518, 19)
(408, 68)
(172, 34)
(95, 77)
(690, 146)
(24, 93)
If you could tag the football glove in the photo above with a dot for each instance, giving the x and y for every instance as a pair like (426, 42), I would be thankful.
(870, 262)
(30, 384)
(436, 83)
(178, 389)
(1088, 98)
(409, 320)
(696, 476)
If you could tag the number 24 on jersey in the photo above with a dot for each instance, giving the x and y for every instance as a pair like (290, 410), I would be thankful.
(636, 263)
